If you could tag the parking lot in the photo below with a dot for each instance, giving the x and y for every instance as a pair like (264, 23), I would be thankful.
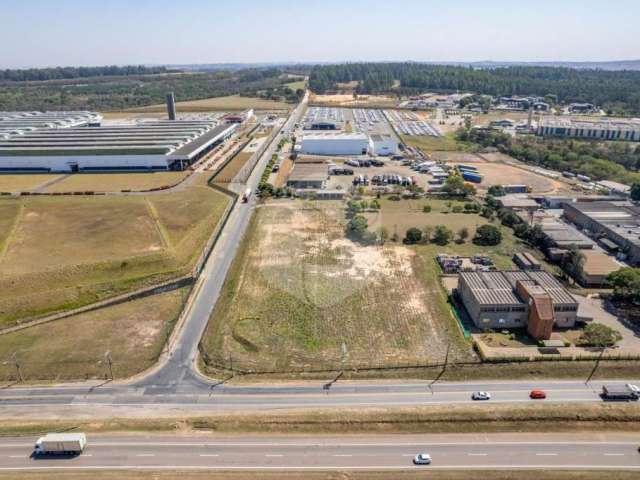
(395, 172)
(410, 123)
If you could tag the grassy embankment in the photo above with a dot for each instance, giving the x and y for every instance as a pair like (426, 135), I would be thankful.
(59, 253)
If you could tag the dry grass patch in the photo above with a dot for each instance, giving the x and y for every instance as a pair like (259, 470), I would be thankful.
(23, 182)
(74, 348)
(231, 169)
(66, 252)
(302, 295)
(231, 102)
(115, 182)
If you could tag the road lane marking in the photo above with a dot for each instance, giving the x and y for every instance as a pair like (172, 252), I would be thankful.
(477, 454)
(343, 455)
(274, 455)
(614, 454)
(146, 455)
(209, 455)
(17, 456)
(546, 454)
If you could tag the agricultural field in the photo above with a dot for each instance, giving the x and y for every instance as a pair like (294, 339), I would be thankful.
(301, 295)
(116, 182)
(232, 102)
(348, 100)
(24, 182)
(64, 252)
(72, 348)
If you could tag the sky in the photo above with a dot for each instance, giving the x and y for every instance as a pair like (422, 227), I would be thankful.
(37, 33)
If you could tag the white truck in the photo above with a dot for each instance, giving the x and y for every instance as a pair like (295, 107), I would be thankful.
(61, 444)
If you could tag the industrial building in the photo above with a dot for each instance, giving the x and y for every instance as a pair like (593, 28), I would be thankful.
(605, 129)
(534, 300)
(596, 268)
(239, 117)
(336, 144)
(384, 144)
(322, 125)
(18, 123)
(308, 176)
(619, 222)
(153, 145)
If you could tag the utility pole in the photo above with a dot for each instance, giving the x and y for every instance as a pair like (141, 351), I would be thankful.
(231, 362)
(17, 364)
(109, 360)
(595, 367)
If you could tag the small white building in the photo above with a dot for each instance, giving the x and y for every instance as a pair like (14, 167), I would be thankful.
(336, 144)
(384, 144)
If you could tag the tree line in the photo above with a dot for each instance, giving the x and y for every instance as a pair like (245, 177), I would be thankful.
(131, 91)
(615, 90)
(68, 73)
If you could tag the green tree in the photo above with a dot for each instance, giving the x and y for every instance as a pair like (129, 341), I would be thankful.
(508, 218)
(599, 335)
(427, 233)
(357, 228)
(496, 191)
(457, 209)
(521, 230)
(626, 285)
(487, 235)
(374, 204)
(442, 235)
(413, 236)
(463, 234)
(426, 209)
(572, 262)
(635, 192)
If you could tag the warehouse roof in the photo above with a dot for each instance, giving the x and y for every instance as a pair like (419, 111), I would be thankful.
(335, 136)
(498, 288)
(192, 148)
(598, 263)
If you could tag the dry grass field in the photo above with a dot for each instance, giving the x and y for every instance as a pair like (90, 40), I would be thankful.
(64, 252)
(24, 182)
(302, 295)
(115, 182)
(347, 100)
(232, 102)
(74, 348)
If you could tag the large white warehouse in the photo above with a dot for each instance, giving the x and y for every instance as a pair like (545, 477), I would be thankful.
(336, 144)
(157, 145)
(384, 144)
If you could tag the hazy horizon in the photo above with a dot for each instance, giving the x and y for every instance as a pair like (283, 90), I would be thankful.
(38, 33)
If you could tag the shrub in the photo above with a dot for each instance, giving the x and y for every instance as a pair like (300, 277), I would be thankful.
(487, 235)
(456, 209)
(426, 209)
(413, 235)
(442, 235)
(599, 335)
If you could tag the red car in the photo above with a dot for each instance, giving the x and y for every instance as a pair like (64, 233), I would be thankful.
(537, 394)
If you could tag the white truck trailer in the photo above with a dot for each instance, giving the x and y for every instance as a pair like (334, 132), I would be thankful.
(61, 444)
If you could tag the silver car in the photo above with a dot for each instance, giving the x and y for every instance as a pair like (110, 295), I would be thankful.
(481, 396)
(422, 459)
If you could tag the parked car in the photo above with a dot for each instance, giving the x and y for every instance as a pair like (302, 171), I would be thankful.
(481, 396)
(422, 459)
(537, 395)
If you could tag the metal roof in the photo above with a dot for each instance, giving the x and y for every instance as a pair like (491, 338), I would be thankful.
(498, 288)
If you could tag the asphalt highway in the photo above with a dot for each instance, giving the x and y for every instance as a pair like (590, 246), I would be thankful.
(307, 395)
(389, 452)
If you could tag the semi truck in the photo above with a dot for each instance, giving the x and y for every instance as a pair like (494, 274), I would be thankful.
(61, 444)
(619, 392)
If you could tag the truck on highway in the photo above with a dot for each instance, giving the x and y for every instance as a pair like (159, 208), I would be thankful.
(246, 195)
(619, 392)
(61, 444)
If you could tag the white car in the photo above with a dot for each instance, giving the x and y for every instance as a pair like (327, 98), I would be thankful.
(422, 459)
(481, 396)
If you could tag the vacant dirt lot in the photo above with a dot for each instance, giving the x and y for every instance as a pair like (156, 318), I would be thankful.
(347, 100)
(501, 174)
(302, 295)
(74, 348)
(116, 182)
(59, 253)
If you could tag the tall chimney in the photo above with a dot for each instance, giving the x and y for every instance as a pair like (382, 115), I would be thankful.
(171, 106)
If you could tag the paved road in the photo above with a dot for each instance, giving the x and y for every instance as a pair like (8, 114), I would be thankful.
(388, 452)
(193, 395)
(177, 371)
